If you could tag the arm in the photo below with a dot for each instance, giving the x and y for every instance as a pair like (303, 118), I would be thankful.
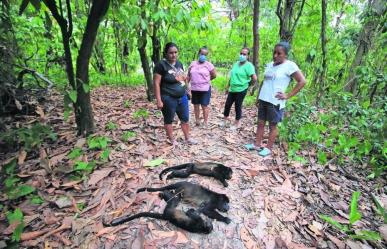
(253, 80)
(213, 74)
(299, 77)
(156, 83)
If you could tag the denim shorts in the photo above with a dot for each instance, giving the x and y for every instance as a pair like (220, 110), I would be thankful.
(269, 112)
(201, 98)
(172, 105)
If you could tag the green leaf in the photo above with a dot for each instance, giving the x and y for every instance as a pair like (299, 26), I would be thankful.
(11, 181)
(86, 87)
(20, 191)
(366, 235)
(354, 215)
(36, 199)
(16, 216)
(10, 167)
(66, 115)
(154, 163)
(334, 223)
(322, 157)
(76, 152)
(73, 95)
(105, 155)
(380, 209)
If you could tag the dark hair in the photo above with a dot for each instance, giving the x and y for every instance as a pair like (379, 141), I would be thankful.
(204, 47)
(167, 47)
(285, 45)
(248, 50)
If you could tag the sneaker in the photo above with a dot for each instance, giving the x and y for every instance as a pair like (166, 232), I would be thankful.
(191, 141)
(264, 152)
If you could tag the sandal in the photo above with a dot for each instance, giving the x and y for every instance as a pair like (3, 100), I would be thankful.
(191, 141)
(264, 152)
(252, 147)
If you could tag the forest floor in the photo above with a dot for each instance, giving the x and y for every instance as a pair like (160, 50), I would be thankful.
(275, 203)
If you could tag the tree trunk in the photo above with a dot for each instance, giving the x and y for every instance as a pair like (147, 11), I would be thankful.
(145, 64)
(98, 56)
(256, 43)
(141, 43)
(288, 16)
(125, 54)
(156, 45)
(7, 45)
(83, 112)
(372, 24)
(322, 72)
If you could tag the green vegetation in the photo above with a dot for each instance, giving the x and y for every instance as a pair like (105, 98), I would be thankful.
(354, 216)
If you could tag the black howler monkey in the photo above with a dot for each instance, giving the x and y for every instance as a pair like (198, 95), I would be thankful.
(208, 201)
(216, 170)
(190, 220)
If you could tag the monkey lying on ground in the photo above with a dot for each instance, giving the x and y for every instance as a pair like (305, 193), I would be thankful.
(208, 201)
(190, 220)
(216, 170)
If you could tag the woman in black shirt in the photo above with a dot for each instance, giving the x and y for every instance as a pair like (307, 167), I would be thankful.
(170, 90)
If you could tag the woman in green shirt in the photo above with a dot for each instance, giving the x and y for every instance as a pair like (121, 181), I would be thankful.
(242, 73)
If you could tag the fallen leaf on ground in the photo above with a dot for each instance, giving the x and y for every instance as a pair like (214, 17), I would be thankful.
(98, 175)
(22, 157)
(247, 240)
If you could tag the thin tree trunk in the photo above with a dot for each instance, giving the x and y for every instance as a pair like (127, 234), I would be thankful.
(125, 53)
(366, 39)
(156, 45)
(323, 70)
(288, 16)
(141, 43)
(84, 114)
(256, 42)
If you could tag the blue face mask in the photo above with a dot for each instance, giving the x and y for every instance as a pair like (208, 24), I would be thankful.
(242, 58)
(202, 58)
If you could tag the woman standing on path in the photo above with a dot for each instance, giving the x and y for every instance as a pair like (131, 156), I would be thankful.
(200, 74)
(272, 96)
(242, 73)
(170, 92)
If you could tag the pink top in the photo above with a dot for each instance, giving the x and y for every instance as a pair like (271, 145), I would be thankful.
(200, 75)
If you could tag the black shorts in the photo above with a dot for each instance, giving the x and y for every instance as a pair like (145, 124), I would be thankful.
(201, 98)
(269, 112)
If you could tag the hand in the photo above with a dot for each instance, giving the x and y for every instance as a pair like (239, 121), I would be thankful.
(180, 77)
(257, 103)
(226, 92)
(160, 104)
(189, 95)
(281, 96)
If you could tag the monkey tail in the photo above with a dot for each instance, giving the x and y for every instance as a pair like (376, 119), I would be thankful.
(181, 166)
(169, 187)
(126, 218)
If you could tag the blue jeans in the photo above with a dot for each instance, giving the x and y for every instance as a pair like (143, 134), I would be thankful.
(172, 105)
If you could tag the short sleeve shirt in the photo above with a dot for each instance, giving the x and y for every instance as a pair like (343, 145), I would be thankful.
(200, 75)
(277, 79)
(241, 76)
(169, 85)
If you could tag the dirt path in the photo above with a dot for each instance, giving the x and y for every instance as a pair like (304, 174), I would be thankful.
(274, 203)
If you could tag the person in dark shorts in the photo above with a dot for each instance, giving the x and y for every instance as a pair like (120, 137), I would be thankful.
(170, 91)
(200, 74)
(272, 97)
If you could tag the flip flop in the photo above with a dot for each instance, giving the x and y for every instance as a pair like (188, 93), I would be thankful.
(264, 152)
(252, 147)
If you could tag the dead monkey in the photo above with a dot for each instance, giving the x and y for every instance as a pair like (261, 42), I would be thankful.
(208, 201)
(216, 170)
(190, 220)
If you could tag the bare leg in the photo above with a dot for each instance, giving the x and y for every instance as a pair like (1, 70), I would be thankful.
(197, 114)
(169, 130)
(272, 135)
(185, 129)
(260, 131)
(206, 110)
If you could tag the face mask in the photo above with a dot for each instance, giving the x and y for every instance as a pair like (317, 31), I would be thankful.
(202, 58)
(242, 58)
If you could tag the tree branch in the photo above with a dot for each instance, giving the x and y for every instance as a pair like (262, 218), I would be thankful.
(298, 16)
(70, 18)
